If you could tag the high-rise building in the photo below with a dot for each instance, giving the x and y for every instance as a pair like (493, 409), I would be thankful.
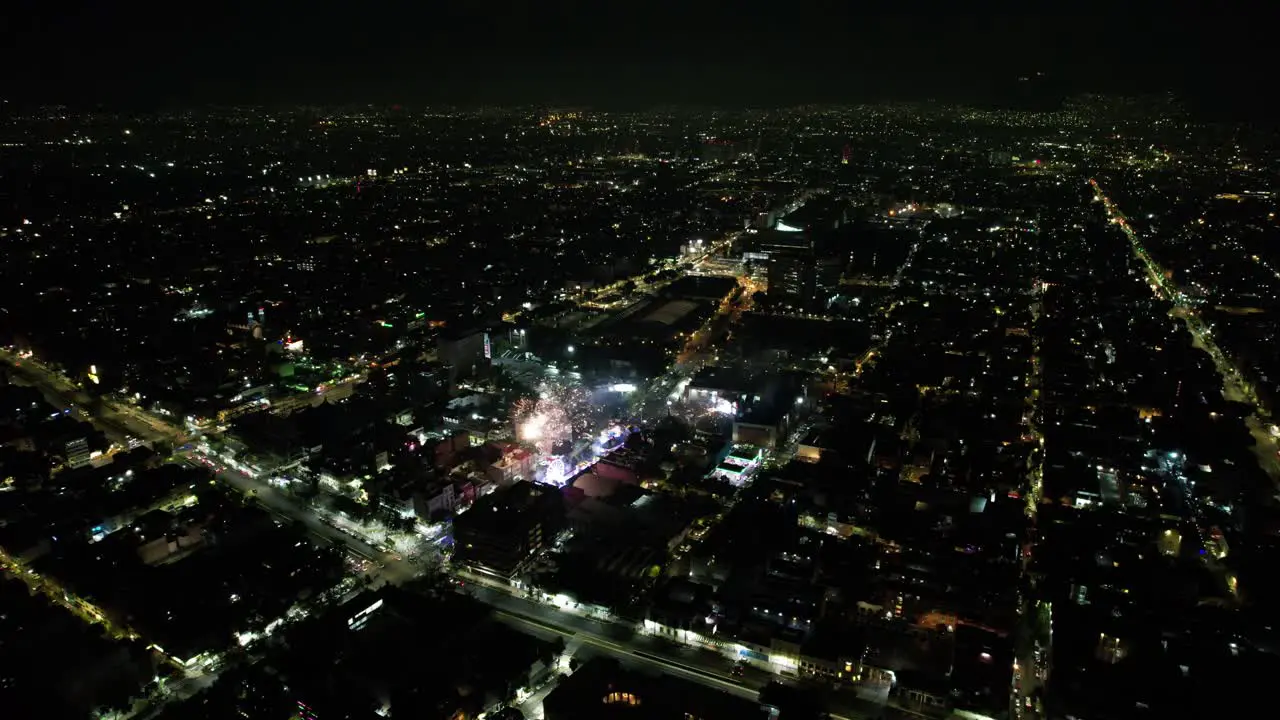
(77, 453)
(791, 277)
(820, 213)
(462, 351)
(791, 268)
(800, 273)
(828, 269)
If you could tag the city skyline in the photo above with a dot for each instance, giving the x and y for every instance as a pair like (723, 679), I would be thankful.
(576, 362)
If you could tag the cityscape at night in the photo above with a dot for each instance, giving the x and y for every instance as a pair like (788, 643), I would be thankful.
(460, 377)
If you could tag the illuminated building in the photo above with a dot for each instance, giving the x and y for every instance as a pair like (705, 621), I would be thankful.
(800, 274)
(738, 466)
(514, 463)
(792, 273)
(77, 453)
(820, 213)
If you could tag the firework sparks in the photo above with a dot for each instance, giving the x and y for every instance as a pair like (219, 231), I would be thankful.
(561, 411)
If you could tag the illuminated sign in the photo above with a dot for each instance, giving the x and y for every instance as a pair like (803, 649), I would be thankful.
(358, 620)
(488, 348)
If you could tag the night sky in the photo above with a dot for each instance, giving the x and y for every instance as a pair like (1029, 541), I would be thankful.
(618, 53)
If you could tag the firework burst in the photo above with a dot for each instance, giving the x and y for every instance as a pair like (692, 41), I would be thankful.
(560, 412)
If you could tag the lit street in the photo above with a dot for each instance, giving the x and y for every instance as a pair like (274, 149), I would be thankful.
(1234, 386)
(140, 425)
(395, 570)
(118, 422)
(702, 666)
(587, 637)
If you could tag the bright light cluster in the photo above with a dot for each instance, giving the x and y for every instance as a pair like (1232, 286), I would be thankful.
(560, 412)
(721, 406)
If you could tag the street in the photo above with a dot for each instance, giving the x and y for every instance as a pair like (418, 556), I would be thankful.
(117, 422)
(1234, 386)
(585, 637)
(651, 402)
(121, 422)
(394, 569)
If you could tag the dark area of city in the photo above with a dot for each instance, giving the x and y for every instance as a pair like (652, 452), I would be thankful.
(903, 406)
